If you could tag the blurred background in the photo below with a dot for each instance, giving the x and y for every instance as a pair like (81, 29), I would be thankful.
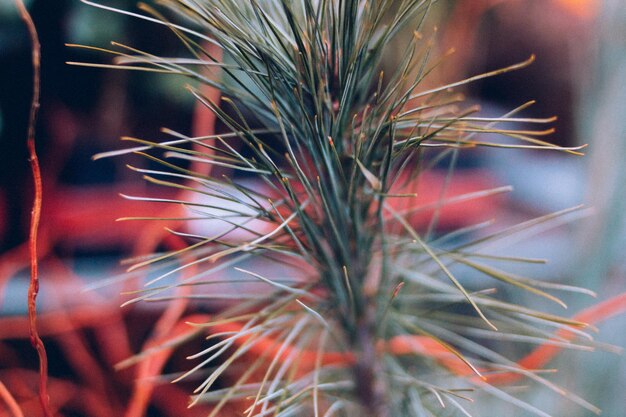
(578, 76)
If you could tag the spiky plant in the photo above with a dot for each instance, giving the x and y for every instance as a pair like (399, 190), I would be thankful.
(362, 314)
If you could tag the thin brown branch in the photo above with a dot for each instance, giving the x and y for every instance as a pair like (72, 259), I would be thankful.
(33, 288)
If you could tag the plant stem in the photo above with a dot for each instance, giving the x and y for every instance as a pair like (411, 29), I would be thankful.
(371, 387)
(33, 288)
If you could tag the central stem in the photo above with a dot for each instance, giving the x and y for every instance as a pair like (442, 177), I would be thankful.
(371, 386)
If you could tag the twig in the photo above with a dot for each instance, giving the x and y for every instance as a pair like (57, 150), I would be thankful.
(33, 288)
(11, 403)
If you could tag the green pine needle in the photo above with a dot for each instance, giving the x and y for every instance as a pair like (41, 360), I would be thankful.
(335, 136)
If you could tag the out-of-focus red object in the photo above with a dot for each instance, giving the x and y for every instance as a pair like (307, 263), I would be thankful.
(86, 216)
(583, 8)
(437, 195)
